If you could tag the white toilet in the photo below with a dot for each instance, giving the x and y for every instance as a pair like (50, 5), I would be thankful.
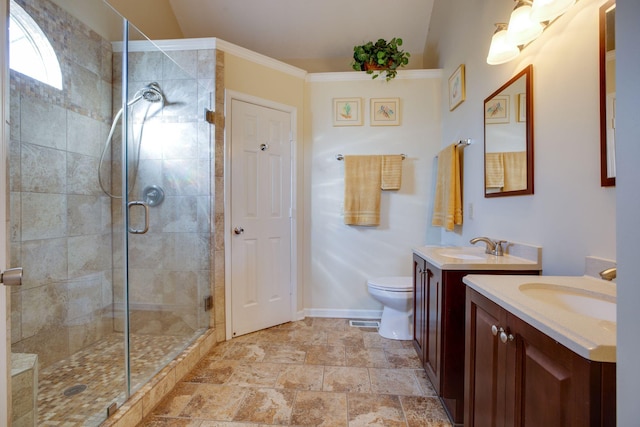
(396, 295)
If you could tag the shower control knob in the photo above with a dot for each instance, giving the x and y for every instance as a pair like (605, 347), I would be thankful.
(11, 277)
(238, 230)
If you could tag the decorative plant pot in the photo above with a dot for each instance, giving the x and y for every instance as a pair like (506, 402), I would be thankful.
(373, 66)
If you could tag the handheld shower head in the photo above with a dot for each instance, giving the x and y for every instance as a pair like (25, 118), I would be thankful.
(150, 93)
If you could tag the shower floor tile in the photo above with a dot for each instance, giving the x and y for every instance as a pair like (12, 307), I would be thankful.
(100, 368)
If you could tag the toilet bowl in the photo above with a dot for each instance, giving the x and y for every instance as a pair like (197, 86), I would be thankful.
(396, 295)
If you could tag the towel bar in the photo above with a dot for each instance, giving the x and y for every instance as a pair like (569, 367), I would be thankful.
(341, 157)
(460, 142)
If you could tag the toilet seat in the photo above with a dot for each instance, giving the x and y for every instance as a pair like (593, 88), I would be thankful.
(392, 283)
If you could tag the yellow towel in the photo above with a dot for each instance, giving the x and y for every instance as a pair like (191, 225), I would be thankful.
(447, 207)
(362, 179)
(494, 170)
(515, 171)
(391, 172)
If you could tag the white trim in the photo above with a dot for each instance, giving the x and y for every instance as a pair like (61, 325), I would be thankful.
(349, 76)
(340, 313)
(210, 43)
(293, 111)
(167, 45)
(260, 59)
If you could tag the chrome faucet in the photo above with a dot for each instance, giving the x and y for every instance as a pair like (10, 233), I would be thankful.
(494, 247)
(609, 273)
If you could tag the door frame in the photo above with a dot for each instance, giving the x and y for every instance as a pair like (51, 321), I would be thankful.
(231, 95)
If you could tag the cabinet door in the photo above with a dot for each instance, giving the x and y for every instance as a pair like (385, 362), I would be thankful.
(419, 274)
(484, 363)
(433, 330)
(550, 382)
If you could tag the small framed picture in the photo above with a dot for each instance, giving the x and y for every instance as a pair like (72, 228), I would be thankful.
(496, 110)
(522, 107)
(456, 88)
(385, 111)
(347, 112)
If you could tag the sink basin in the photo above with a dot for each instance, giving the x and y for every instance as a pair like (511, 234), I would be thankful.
(587, 303)
(457, 254)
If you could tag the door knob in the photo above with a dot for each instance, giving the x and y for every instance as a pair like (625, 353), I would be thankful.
(11, 277)
(238, 230)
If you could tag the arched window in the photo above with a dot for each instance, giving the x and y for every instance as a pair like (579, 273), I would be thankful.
(30, 51)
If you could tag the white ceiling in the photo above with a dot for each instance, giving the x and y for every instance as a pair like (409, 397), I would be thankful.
(306, 29)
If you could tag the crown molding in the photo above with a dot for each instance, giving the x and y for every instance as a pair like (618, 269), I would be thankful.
(350, 76)
(210, 43)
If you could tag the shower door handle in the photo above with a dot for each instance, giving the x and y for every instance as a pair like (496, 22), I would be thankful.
(146, 217)
(11, 277)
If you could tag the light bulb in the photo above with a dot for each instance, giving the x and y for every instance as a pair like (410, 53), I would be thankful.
(501, 50)
(522, 29)
(548, 10)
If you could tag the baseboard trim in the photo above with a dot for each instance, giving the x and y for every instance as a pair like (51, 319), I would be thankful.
(343, 313)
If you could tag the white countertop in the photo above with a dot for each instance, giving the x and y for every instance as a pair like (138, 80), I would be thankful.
(590, 336)
(472, 258)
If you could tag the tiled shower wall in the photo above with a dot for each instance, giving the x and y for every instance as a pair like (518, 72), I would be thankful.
(170, 266)
(60, 219)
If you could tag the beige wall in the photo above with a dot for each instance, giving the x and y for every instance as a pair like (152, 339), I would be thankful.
(257, 80)
(155, 18)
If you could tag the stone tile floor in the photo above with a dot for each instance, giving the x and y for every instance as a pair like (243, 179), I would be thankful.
(314, 372)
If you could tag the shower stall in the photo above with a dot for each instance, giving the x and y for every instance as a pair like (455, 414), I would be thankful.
(110, 210)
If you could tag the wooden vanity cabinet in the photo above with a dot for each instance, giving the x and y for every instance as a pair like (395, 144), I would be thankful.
(518, 376)
(439, 325)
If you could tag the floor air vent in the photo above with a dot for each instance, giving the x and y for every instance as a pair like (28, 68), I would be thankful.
(364, 323)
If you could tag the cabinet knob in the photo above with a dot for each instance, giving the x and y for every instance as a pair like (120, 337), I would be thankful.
(495, 330)
(504, 337)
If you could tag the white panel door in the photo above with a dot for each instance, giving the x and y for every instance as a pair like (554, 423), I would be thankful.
(260, 217)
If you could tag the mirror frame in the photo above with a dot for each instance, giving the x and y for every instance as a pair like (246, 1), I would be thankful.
(527, 72)
(605, 180)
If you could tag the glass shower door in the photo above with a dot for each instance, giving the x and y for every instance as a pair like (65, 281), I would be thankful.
(168, 204)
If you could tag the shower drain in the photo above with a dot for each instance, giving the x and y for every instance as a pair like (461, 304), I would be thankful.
(76, 389)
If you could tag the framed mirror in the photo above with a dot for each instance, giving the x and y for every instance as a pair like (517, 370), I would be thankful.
(608, 94)
(508, 138)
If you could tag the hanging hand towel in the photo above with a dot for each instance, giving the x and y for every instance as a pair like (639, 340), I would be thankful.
(391, 172)
(362, 179)
(447, 206)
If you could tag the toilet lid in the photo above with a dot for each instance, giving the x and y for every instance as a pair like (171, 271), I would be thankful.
(394, 284)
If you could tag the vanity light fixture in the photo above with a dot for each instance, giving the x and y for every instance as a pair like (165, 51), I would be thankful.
(528, 20)
(501, 50)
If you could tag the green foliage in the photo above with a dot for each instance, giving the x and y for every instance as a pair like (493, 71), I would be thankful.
(381, 56)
